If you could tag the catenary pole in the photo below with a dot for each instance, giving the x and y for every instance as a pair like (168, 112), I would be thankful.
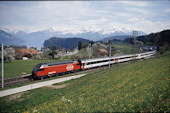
(89, 51)
(2, 62)
(109, 54)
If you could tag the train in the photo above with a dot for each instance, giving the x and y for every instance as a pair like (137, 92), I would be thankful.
(43, 70)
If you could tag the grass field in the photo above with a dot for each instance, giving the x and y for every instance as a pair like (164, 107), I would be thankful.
(138, 86)
(124, 48)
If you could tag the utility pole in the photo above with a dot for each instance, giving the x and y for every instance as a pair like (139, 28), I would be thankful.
(109, 42)
(2, 62)
(89, 50)
(135, 34)
(109, 53)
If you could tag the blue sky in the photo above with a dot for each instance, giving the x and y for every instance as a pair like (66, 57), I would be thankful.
(75, 16)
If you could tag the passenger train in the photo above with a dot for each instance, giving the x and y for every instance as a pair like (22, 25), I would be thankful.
(55, 68)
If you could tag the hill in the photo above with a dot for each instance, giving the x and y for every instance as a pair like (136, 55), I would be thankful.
(156, 38)
(159, 39)
(127, 89)
(9, 39)
(135, 87)
(66, 43)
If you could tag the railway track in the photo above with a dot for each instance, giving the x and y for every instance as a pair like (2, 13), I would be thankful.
(27, 79)
(14, 81)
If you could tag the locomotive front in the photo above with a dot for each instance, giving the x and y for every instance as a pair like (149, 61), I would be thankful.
(36, 69)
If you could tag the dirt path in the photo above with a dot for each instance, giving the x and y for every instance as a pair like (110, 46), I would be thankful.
(58, 86)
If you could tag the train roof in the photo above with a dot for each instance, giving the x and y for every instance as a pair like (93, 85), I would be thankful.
(60, 62)
(113, 57)
(56, 63)
(105, 58)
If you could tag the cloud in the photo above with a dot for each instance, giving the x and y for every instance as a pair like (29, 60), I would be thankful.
(75, 15)
(167, 10)
(147, 26)
(139, 10)
(123, 14)
(136, 3)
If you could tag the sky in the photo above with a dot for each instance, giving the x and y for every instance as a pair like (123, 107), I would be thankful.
(76, 16)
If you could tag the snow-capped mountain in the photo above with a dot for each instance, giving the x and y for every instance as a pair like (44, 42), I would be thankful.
(36, 39)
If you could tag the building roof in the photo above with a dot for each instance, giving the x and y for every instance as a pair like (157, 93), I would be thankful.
(23, 52)
(103, 51)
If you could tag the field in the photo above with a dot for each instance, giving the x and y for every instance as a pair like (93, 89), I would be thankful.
(138, 86)
(124, 48)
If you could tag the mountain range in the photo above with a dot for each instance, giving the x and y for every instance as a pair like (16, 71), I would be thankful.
(9, 39)
(36, 39)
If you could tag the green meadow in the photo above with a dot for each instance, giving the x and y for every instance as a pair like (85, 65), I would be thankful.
(140, 86)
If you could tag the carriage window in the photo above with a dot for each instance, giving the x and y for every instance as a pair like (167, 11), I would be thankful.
(125, 58)
(103, 61)
(88, 63)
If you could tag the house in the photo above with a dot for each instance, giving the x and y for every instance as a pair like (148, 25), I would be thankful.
(29, 53)
(102, 52)
(148, 48)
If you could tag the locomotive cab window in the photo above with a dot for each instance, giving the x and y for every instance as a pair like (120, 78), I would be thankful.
(36, 69)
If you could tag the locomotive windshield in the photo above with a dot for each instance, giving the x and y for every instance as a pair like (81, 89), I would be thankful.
(36, 68)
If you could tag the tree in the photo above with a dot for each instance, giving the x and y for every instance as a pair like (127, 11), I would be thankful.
(79, 45)
(109, 42)
(52, 53)
(91, 43)
(9, 54)
(45, 54)
(54, 47)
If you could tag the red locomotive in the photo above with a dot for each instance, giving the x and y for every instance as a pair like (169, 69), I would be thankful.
(54, 68)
